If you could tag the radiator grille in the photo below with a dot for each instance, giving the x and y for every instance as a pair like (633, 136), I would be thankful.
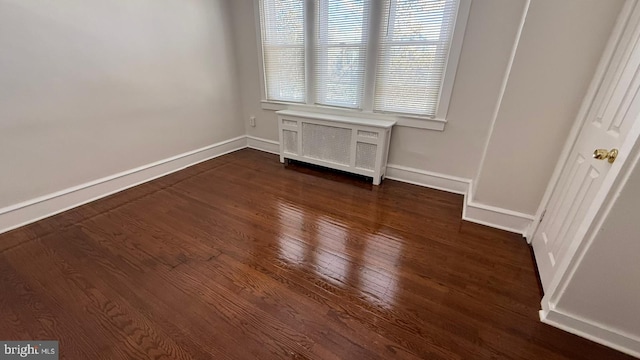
(366, 156)
(326, 143)
(357, 145)
(290, 141)
(368, 134)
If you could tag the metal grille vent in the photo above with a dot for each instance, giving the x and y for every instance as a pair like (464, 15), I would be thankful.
(290, 141)
(326, 143)
(368, 134)
(366, 156)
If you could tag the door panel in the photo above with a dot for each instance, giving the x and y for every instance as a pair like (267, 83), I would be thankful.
(615, 108)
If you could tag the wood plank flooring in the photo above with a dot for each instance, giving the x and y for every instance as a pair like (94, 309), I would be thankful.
(242, 258)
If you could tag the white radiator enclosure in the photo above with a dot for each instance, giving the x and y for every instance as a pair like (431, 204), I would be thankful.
(356, 145)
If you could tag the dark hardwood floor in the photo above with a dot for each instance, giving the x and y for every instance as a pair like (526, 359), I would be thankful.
(242, 258)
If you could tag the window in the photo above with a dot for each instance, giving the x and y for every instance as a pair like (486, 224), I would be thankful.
(384, 56)
(341, 37)
(284, 49)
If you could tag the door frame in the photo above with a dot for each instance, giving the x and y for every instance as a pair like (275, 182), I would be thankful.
(586, 234)
(606, 61)
(598, 211)
(613, 177)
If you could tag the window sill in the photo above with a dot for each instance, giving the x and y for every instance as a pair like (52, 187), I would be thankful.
(415, 122)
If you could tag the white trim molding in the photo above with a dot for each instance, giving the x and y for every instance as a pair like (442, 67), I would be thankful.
(14, 216)
(503, 86)
(499, 218)
(428, 179)
(472, 211)
(416, 122)
(599, 333)
(496, 217)
(29, 211)
(492, 216)
(262, 144)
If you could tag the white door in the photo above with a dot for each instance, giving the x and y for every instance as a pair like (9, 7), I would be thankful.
(607, 125)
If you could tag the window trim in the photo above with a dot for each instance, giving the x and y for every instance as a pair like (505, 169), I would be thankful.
(415, 121)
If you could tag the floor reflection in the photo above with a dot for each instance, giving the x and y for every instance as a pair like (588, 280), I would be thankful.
(352, 260)
(290, 249)
(331, 260)
(380, 280)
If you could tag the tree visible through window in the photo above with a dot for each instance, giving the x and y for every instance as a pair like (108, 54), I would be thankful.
(373, 55)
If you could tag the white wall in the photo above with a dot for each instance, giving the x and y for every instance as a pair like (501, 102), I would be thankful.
(559, 49)
(489, 37)
(246, 50)
(92, 88)
(560, 46)
(605, 288)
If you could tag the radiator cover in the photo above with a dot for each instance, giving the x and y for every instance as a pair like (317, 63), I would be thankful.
(356, 145)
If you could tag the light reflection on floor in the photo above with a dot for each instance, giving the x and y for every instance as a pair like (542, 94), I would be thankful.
(380, 282)
(351, 260)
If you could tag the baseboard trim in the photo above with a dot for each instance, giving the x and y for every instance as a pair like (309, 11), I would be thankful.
(428, 179)
(493, 216)
(472, 211)
(265, 145)
(595, 332)
(487, 215)
(24, 213)
(15, 216)
(498, 218)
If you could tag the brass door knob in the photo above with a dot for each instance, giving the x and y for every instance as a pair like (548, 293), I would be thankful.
(602, 154)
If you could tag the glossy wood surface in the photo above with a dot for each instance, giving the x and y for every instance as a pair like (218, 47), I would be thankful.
(242, 258)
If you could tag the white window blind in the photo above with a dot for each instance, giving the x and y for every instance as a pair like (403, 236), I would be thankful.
(386, 56)
(341, 40)
(283, 49)
(415, 40)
